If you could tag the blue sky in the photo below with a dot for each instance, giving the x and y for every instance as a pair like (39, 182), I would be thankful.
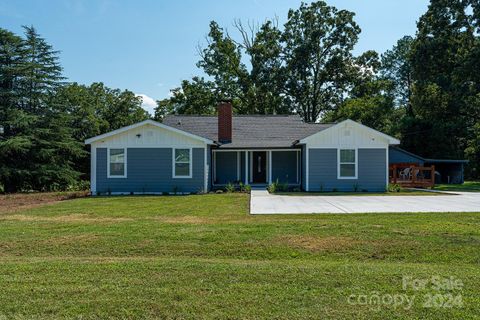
(150, 46)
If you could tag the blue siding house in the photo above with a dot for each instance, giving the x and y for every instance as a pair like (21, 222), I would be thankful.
(189, 154)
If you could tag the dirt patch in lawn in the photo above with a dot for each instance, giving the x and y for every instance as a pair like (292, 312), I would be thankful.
(312, 243)
(20, 201)
(83, 218)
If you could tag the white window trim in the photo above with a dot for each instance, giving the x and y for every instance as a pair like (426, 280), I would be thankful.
(108, 164)
(356, 164)
(190, 164)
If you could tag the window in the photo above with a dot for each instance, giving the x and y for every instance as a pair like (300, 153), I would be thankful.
(182, 164)
(347, 164)
(117, 160)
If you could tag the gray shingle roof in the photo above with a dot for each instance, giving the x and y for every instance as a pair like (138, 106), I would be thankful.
(252, 131)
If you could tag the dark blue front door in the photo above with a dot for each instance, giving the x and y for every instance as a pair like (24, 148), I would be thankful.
(259, 167)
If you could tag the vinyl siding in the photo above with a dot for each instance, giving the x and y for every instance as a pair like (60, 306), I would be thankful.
(225, 167)
(242, 166)
(284, 166)
(323, 171)
(149, 170)
(398, 156)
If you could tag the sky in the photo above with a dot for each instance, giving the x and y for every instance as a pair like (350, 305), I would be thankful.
(149, 46)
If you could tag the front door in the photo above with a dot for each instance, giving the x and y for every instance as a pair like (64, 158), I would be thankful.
(259, 166)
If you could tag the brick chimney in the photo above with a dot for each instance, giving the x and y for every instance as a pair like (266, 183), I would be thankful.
(225, 121)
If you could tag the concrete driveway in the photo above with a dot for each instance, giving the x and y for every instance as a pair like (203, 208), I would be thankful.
(261, 202)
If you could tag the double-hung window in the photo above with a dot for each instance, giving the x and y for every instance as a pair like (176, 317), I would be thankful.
(182, 163)
(117, 163)
(347, 164)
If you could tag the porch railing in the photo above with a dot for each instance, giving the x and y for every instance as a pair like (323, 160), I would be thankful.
(412, 176)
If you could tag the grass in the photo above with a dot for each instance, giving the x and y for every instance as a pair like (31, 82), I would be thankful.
(204, 256)
(467, 186)
(403, 192)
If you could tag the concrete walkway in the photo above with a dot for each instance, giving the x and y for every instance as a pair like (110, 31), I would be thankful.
(261, 202)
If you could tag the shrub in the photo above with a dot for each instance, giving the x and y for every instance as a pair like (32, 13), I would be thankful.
(81, 185)
(273, 187)
(394, 187)
(248, 188)
(334, 190)
(276, 186)
(230, 187)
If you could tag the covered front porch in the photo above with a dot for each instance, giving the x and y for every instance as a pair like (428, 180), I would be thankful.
(256, 166)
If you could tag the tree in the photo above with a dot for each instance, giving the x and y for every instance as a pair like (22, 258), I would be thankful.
(254, 90)
(305, 69)
(36, 147)
(96, 109)
(193, 97)
(397, 67)
(445, 88)
(318, 40)
(15, 138)
(371, 100)
(222, 60)
(266, 79)
(124, 108)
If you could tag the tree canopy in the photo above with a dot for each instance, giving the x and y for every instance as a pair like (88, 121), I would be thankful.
(306, 68)
(425, 90)
(44, 120)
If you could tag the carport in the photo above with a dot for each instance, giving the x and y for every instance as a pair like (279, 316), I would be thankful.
(446, 170)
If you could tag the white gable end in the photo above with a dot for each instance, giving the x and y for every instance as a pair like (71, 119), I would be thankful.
(349, 134)
(149, 135)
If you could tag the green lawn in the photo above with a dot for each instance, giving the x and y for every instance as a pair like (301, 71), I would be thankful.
(469, 186)
(204, 256)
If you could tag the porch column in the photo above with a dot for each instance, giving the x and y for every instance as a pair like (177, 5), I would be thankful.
(246, 167)
(269, 166)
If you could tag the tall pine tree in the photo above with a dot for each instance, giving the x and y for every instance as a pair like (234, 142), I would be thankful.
(37, 147)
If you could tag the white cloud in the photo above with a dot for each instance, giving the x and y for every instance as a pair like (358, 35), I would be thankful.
(148, 103)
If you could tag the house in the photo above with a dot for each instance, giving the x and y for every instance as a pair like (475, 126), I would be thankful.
(188, 154)
(446, 170)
